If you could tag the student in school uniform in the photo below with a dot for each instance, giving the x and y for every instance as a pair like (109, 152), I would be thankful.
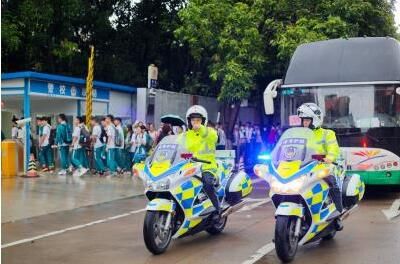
(45, 147)
(77, 150)
(110, 146)
(119, 146)
(98, 146)
(62, 141)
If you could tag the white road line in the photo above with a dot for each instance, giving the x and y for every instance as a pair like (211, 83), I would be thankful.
(393, 211)
(257, 203)
(26, 240)
(261, 252)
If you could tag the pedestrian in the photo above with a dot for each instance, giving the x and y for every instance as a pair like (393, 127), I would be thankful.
(152, 132)
(45, 149)
(110, 146)
(62, 141)
(132, 148)
(78, 152)
(119, 145)
(242, 142)
(98, 146)
(128, 146)
(140, 143)
(221, 143)
(249, 132)
(272, 135)
(258, 140)
(235, 141)
(14, 130)
(166, 131)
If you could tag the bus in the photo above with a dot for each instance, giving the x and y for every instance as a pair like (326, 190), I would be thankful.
(356, 82)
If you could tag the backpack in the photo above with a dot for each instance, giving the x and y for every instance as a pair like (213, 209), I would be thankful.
(103, 135)
(118, 139)
(67, 137)
(84, 138)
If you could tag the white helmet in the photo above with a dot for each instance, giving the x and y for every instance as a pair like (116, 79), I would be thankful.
(313, 112)
(196, 111)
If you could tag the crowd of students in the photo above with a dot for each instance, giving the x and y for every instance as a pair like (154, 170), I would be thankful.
(106, 148)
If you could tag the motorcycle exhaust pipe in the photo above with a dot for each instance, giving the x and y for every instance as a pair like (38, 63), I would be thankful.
(233, 209)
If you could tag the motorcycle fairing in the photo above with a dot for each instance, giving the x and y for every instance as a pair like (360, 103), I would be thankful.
(159, 204)
(315, 198)
(305, 170)
(185, 194)
(168, 171)
(289, 209)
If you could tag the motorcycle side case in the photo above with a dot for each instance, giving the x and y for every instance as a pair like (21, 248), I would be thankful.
(238, 187)
(352, 190)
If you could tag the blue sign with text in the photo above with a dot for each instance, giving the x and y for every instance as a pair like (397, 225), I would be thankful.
(67, 90)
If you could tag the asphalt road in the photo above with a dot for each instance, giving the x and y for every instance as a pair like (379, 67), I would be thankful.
(112, 233)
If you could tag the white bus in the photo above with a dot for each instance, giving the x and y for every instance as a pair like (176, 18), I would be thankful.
(356, 82)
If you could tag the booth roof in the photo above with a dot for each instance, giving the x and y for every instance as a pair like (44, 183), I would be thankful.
(65, 79)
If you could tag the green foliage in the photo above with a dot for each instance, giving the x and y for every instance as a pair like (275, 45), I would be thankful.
(225, 32)
(245, 44)
(225, 48)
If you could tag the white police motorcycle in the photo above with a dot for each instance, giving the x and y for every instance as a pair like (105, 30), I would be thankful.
(178, 206)
(304, 210)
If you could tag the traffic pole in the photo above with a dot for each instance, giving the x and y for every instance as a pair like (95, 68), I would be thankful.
(89, 87)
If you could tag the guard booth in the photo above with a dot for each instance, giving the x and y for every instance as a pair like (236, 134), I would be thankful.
(32, 94)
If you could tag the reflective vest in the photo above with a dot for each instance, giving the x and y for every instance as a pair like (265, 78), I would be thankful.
(325, 143)
(202, 144)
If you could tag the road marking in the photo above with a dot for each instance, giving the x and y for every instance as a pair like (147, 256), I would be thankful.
(261, 252)
(26, 240)
(258, 202)
(393, 211)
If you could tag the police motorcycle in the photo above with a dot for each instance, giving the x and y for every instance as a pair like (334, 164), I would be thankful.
(177, 205)
(304, 210)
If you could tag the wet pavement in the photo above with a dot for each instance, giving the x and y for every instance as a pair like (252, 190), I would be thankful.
(23, 198)
(111, 232)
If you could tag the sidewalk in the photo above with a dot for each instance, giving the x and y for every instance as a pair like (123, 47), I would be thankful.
(24, 198)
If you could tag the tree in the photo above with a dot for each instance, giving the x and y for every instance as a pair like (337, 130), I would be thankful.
(224, 34)
(246, 44)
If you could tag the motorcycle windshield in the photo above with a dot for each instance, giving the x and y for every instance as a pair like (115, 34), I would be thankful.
(293, 151)
(166, 155)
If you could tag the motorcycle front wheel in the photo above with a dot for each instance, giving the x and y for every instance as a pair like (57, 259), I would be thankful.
(285, 241)
(156, 238)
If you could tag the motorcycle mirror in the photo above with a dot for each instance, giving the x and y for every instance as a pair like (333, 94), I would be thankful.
(186, 155)
(318, 157)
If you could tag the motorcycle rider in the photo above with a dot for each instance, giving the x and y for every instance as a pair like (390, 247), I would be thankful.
(201, 141)
(312, 117)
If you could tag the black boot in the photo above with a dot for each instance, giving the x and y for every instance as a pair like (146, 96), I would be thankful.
(336, 196)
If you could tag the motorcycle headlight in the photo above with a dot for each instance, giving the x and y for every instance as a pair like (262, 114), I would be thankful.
(292, 187)
(160, 185)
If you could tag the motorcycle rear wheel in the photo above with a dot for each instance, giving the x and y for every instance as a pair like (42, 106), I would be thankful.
(155, 237)
(285, 241)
